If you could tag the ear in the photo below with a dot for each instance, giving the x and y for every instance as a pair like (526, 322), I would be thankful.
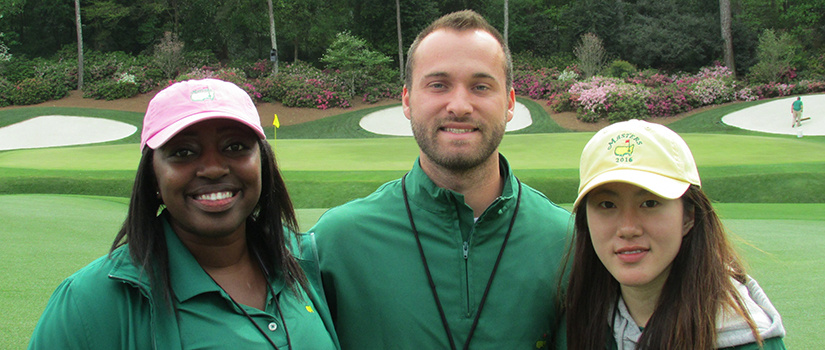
(511, 104)
(688, 220)
(405, 101)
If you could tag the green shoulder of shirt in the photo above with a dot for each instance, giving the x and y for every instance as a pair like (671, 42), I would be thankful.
(775, 343)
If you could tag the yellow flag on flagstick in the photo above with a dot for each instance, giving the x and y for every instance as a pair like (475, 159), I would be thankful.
(275, 121)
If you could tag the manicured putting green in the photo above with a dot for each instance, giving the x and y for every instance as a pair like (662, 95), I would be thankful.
(532, 151)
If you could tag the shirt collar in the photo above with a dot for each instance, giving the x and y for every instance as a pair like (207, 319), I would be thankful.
(187, 277)
(423, 191)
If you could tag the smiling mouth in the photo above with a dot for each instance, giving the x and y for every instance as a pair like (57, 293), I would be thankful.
(637, 251)
(214, 196)
(458, 131)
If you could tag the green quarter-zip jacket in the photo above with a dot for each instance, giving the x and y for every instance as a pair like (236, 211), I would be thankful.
(377, 287)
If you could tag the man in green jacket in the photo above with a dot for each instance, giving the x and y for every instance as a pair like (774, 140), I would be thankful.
(458, 253)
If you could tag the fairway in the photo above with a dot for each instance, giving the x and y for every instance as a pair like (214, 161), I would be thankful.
(48, 237)
(530, 151)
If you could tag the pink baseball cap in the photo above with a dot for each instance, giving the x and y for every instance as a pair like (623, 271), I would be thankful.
(188, 102)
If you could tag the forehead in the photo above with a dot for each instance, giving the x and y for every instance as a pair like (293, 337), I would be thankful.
(618, 189)
(450, 48)
(219, 126)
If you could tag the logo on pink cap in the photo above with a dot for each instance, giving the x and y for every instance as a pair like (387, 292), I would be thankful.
(202, 95)
(188, 102)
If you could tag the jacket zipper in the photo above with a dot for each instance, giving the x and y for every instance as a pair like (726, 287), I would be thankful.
(466, 248)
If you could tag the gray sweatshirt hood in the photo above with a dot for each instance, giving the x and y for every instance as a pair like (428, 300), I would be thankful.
(731, 328)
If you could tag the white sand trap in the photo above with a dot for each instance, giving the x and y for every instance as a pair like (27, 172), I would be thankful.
(775, 117)
(59, 130)
(391, 121)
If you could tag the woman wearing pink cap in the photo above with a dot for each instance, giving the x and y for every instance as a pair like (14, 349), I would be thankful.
(206, 257)
(651, 266)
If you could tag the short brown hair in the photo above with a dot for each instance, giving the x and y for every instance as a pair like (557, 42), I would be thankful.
(460, 21)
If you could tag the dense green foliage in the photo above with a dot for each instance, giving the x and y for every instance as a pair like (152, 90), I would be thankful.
(669, 34)
(605, 59)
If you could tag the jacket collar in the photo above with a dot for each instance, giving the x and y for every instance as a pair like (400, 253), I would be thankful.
(423, 191)
(186, 276)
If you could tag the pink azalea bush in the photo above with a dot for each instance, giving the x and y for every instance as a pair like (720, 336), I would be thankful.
(611, 98)
(301, 85)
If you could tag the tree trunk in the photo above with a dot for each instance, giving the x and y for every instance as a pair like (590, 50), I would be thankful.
(400, 41)
(506, 22)
(79, 45)
(727, 35)
(274, 52)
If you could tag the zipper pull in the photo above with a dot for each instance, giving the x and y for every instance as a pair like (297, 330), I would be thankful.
(466, 250)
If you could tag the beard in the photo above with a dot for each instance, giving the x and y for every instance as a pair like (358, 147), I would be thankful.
(427, 138)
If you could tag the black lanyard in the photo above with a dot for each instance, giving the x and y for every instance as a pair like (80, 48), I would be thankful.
(277, 305)
(430, 277)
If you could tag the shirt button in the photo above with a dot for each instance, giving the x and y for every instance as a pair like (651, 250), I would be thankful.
(273, 326)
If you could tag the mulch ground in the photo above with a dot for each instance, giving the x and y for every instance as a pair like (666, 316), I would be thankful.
(291, 116)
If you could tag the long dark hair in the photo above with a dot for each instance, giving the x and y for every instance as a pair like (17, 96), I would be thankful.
(698, 287)
(267, 227)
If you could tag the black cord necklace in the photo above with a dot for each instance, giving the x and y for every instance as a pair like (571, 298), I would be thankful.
(430, 277)
(248, 317)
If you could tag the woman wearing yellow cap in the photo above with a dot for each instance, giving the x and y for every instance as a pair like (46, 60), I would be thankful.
(651, 266)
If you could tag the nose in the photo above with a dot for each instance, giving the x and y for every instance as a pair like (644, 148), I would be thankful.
(460, 103)
(629, 225)
(213, 165)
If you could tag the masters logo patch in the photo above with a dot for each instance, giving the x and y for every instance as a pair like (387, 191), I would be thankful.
(623, 146)
(202, 95)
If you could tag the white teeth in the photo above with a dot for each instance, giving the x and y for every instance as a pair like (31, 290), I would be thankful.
(457, 131)
(632, 252)
(215, 196)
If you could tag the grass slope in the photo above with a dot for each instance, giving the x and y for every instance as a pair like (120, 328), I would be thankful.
(326, 172)
(48, 237)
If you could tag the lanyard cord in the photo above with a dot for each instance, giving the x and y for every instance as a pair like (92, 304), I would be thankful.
(248, 317)
(430, 277)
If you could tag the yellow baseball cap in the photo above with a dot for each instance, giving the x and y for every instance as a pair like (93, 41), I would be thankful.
(640, 153)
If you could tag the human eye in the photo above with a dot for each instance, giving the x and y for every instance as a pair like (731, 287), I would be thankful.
(650, 203)
(606, 204)
(482, 87)
(237, 147)
(437, 85)
(181, 153)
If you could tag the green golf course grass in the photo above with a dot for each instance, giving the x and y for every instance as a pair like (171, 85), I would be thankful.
(730, 166)
(48, 237)
(61, 207)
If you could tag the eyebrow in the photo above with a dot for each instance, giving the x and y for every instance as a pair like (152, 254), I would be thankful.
(479, 75)
(640, 193)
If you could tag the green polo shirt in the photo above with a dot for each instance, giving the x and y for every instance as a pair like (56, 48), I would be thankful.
(797, 105)
(208, 319)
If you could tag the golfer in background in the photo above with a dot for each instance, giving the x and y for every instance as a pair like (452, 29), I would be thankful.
(796, 111)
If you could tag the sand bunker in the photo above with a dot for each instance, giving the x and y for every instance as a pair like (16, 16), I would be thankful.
(391, 121)
(775, 117)
(59, 130)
